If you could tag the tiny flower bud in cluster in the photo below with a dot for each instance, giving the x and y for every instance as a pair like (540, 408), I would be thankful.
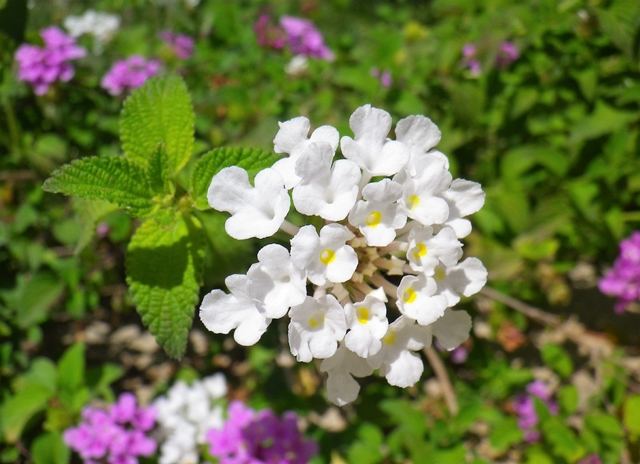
(385, 268)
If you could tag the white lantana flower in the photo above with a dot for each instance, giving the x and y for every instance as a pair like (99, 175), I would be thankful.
(420, 135)
(275, 283)
(325, 257)
(367, 322)
(464, 198)
(427, 250)
(256, 211)
(417, 299)
(379, 216)
(420, 192)
(222, 313)
(292, 139)
(325, 190)
(342, 388)
(316, 327)
(465, 278)
(341, 286)
(395, 359)
(370, 149)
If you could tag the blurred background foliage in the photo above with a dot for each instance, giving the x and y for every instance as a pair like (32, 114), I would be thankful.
(552, 137)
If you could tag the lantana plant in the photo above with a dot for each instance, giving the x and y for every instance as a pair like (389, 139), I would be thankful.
(374, 265)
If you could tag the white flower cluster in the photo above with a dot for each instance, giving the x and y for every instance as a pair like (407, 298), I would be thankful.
(185, 415)
(407, 225)
(101, 25)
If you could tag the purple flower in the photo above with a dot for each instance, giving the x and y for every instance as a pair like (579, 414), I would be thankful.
(304, 38)
(41, 67)
(182, 45)
(250, 437)
(384, 77)
(623, 280)
(269, 35)
(524, 407)
(129, 74)
(114, 436)
(507, 54)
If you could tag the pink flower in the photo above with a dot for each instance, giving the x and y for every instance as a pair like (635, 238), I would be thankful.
(507, 54)
(182, 45)
(41, 67)
(384, 77)
(623, 280)
(269, 35)
(304, 38)
(250, 437)
(116, 436)
(129, 74)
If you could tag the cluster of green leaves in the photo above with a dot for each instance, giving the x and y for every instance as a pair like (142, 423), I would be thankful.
(57, 394)
(165, 256)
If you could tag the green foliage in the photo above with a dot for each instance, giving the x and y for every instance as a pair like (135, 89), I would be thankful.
(557, 359)
(158, 112)
(163, 269)
(113, 179)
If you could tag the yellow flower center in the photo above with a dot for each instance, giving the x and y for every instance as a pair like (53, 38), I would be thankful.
(413, 202)
(374, 218)
(363, 315)
(317, 319)
(390, 338)
(420, 250)
(327, 256)
(410, 295)
(439, 274)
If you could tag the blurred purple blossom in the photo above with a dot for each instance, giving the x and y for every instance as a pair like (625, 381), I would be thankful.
(623, 280)
(129, 74)
(459, 355)
(469, 60)
(41, 67)
(117, 435)
(507, 54)
(524, 406)
(384, 77)
(250, 437)
(182, 45)
(268, 34)
(304, 38)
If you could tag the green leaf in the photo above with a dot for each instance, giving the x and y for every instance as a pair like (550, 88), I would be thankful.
(42, 372)
(564, 441)
(631, 415)
(504, 434)
(71, 368)
(89, 213)
(158, 171)
(163, 273)
(557, 359)
(367, 450)
(620, 23)
(211, 163)
(114, 179)
(158, 112)
(17, 410)
(568, 398)
(50, 449)
(33, 297)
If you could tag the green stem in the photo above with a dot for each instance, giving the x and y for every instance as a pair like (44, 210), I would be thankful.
(14, 133)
